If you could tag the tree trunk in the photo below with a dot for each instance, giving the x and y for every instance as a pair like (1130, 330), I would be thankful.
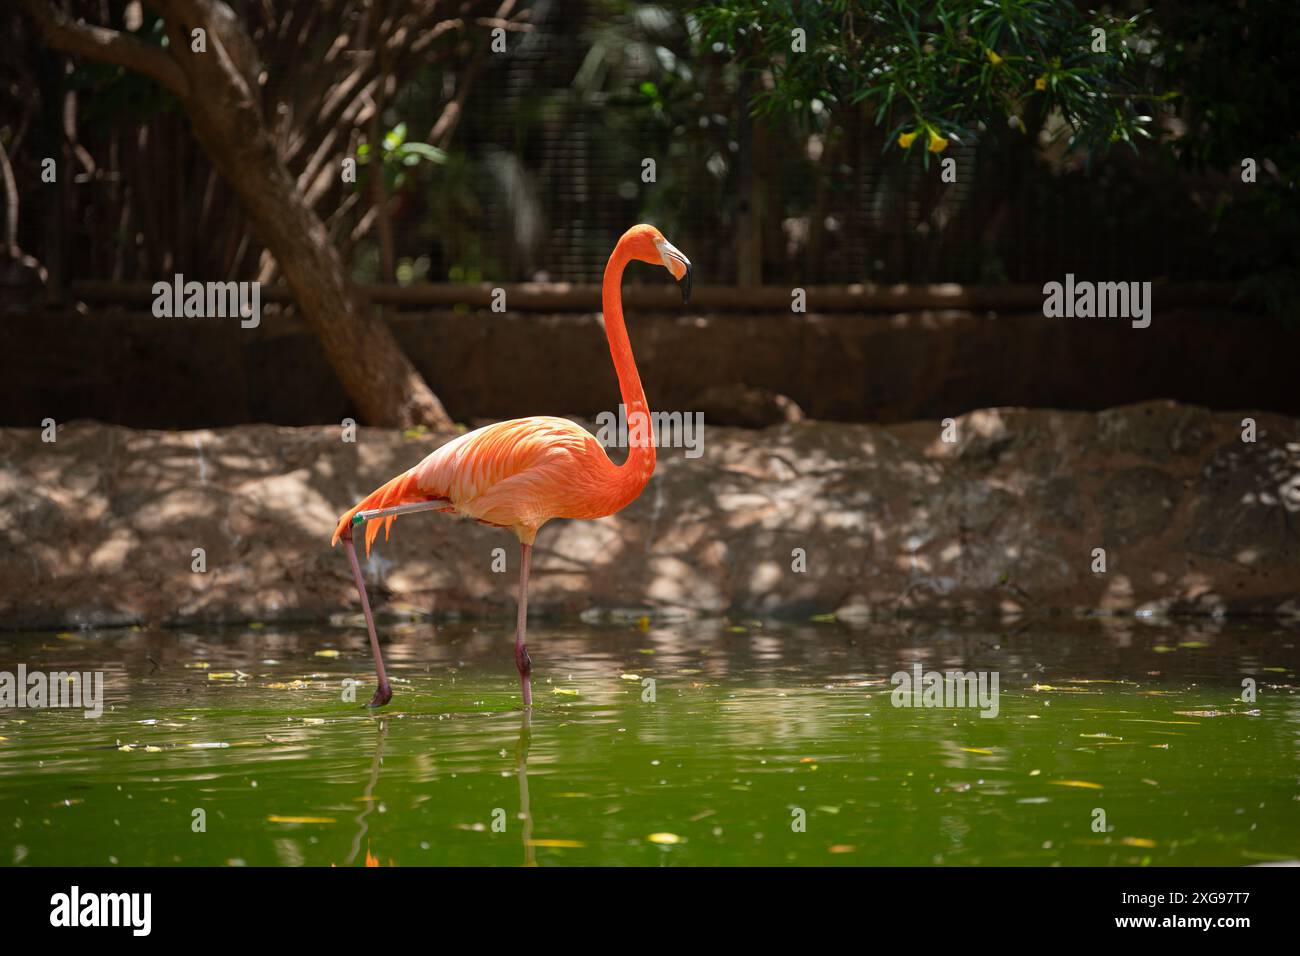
(220, 92)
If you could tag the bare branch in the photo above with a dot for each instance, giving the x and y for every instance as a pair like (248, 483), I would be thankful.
(63, 33)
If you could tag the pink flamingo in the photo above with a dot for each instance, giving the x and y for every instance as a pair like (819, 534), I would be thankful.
(522, 473)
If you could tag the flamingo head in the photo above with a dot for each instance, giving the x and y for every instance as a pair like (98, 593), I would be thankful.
(649, 245)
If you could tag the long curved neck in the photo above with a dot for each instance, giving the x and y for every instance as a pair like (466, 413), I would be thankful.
(640, 463)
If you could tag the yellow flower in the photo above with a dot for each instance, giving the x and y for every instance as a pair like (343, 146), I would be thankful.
(994, 58)
(1041, 82)
(937, 143)
(907, 139)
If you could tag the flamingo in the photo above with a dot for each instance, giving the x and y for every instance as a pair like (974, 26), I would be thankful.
(522, 473)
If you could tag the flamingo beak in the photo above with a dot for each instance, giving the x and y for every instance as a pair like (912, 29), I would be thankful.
(678, 266)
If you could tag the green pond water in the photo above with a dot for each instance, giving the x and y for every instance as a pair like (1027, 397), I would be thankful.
(772, 743)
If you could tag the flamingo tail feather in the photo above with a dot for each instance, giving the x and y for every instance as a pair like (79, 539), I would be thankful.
(401, 490)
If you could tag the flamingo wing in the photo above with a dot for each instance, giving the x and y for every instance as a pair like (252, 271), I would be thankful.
(516, 474)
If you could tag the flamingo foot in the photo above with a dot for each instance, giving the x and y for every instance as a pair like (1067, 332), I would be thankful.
(383, 694)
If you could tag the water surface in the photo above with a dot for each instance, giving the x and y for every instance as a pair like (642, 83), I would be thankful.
(757, 743)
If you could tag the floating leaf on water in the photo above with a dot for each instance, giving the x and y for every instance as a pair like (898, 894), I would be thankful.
(566, 691)
(630, 676)
(1083, 784)
(1102, 736)
(645, 650)
(558, 844)
(1138, 841)
(842, 848)
(978, 750)
(1202, 713)
(1082, 680)
(276, 818)
(643, 622)
(823, 619)
(199, 665)
(1163, 649)
(327, 653)
(664, 839)
(1193, 645)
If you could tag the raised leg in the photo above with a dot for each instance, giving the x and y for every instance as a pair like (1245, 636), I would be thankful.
(383, 693)
(522, 661)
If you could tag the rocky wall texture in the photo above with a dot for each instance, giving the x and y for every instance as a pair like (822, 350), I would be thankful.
(100, 526)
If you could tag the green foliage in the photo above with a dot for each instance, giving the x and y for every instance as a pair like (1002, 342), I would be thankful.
(397, 155)
(931, 72)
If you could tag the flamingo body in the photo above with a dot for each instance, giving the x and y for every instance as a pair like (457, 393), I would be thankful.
(522, 473)
(517, 474)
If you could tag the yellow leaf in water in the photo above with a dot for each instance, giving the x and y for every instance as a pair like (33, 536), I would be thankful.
(222, 675)
(198, 665)
(1086, 785)
(841, 848)
(823, 619)
(566, 691)
(275, 818)
(328, 653)
(630, 676)
(558, 844)
(643, 622)
(1138, 841)
(978, 750)
(665, 839)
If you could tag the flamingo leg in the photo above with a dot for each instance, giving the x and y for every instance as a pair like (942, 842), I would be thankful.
(383, 693)
(522, 660)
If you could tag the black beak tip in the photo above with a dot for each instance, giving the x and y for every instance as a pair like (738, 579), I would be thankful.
(685, 283)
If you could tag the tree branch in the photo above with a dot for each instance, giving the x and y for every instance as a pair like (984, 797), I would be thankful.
(63, 33)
